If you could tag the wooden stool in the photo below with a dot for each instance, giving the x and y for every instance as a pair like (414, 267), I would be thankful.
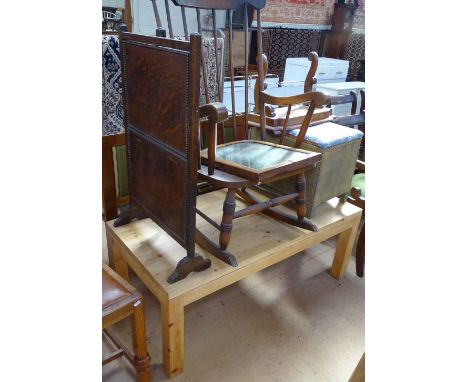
(120, 300)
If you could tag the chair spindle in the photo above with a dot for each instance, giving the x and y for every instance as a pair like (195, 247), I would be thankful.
(246, 62)
(215, 39)
(231, 74)
(283, 133)
(156, 14)
(169, 20)
(261, 77)
(184, 22)
(204, 71)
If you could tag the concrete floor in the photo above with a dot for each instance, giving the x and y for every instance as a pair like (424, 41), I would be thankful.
(290, 322)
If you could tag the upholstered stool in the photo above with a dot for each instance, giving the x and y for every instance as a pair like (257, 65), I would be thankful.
(339, 146)
(120, 300)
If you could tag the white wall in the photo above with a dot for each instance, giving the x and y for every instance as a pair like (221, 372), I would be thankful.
(144, 21)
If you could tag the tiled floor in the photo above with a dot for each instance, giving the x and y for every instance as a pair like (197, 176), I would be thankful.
(290, 322)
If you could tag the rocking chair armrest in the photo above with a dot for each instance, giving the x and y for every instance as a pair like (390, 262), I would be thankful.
(215, 111)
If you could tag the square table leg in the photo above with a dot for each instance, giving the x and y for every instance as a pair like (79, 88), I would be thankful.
(344, 247)
(172, 320)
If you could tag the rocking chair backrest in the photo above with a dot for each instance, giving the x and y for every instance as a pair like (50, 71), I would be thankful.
(213, 6)
(161, 85)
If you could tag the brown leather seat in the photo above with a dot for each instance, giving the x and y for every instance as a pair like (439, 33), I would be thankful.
(112, 291)
(121, 300)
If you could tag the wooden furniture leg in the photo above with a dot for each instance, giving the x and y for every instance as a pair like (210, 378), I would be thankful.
(360, 252)
(344, 247)
(121, 300)
(229, 208)
(172, 320)
(142, 359)
(300, 200)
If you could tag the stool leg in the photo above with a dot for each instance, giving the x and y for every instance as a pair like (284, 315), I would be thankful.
(300, 200)
(360, 251)
(142, 358)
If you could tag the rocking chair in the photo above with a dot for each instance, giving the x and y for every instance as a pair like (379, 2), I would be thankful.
(164, 141)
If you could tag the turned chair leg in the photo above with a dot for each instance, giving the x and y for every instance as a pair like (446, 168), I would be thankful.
(229, 208)
(300, 200)
(360, 252)
(142, 358)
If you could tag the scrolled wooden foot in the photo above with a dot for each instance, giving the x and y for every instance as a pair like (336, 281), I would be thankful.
(128, 215)
(187, 265)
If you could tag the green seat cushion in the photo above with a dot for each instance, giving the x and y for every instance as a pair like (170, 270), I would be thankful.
(359, 180)
(259, 156)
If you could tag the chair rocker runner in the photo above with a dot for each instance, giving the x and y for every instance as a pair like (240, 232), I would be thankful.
(162, 119)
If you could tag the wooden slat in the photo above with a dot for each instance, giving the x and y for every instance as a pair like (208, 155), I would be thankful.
(169, 20)
(111, 357)
(261, 76)
(184, 22)
(231, 74)
(218, 74)
(156, 14)
(203, 63)
(246, 63)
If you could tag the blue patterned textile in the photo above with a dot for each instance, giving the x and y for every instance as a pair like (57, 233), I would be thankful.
(112, 107)
(329, 134)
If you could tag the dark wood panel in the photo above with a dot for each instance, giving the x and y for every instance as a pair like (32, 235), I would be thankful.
(151, 166)
(160, 92)
(155, 100)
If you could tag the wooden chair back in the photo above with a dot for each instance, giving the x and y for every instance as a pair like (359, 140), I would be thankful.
(213, 6)
(161, 85)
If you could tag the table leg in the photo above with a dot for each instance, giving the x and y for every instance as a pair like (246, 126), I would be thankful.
(172, 320)
(344, 247)
(116, 261)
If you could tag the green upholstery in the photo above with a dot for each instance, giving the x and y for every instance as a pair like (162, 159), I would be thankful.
(258, 156)
(359, 180)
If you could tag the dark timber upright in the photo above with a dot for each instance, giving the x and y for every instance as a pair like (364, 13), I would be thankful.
(160, 91)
